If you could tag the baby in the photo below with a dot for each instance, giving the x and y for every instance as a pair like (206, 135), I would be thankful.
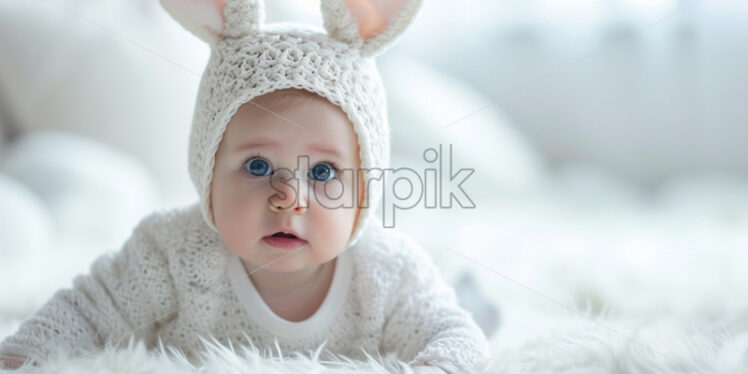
(283, 246)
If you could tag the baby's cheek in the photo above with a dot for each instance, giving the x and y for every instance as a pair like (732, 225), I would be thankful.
(334, 194)
(333, 215)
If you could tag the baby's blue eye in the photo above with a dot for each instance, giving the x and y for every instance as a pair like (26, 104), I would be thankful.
(322, 172)
(258, 167)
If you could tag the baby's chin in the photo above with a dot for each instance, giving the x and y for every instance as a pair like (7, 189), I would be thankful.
(269, 258)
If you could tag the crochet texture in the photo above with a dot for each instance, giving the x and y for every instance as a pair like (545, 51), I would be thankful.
(249, 59)
(169, 285)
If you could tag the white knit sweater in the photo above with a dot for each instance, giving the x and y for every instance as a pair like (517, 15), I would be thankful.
(175, 281)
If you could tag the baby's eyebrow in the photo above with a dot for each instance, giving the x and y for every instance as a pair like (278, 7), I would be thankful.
(257, 143)
(330, 151)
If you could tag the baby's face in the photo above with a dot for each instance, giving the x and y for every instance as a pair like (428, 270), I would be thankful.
(255, 193)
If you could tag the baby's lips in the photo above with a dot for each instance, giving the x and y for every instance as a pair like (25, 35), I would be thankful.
(286, 233)
(285, 241)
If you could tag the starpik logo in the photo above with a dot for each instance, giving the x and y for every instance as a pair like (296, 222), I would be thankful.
(401, 188)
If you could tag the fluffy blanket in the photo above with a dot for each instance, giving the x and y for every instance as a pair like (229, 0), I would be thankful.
(579, 344)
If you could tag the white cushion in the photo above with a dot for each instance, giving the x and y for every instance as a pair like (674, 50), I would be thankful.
(423, 102)
(120, 72)
(26, 225)
(94, 193)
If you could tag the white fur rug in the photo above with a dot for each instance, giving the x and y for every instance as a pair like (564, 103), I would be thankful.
(584, 347)
(576, 345)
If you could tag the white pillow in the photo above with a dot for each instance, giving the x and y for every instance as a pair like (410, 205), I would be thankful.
(26, 225)
(422, 101)
(95, 194)
(118, 71)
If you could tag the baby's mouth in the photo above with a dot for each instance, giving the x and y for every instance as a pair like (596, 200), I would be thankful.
(282, 240)
(284, 235)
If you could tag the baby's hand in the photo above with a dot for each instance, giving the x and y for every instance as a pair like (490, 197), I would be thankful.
(11, 362)
(427, 370)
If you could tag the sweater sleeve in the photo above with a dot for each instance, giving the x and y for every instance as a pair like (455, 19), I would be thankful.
(128, 293)
(425, 323)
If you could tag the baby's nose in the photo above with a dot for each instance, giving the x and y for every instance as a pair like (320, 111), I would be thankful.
(289, 192)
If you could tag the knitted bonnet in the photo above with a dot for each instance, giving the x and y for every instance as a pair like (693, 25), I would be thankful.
(249, 59)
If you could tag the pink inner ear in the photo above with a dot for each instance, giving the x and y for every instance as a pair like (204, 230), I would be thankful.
(215, 20)
(197, 16)
(373, 16)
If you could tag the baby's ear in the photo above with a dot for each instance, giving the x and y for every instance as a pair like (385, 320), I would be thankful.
(370, 25)
(209, 19)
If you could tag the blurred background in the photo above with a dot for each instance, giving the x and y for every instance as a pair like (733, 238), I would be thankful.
(608, 139)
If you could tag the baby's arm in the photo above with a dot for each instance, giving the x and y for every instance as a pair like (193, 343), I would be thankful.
(123, 294)
(426, 322)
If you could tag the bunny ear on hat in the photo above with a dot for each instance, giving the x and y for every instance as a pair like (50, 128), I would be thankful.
(211, 19)
(369, 25)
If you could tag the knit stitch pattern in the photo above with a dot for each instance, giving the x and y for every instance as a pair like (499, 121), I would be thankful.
(169, 285)
(290, 56)
(249, 59)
